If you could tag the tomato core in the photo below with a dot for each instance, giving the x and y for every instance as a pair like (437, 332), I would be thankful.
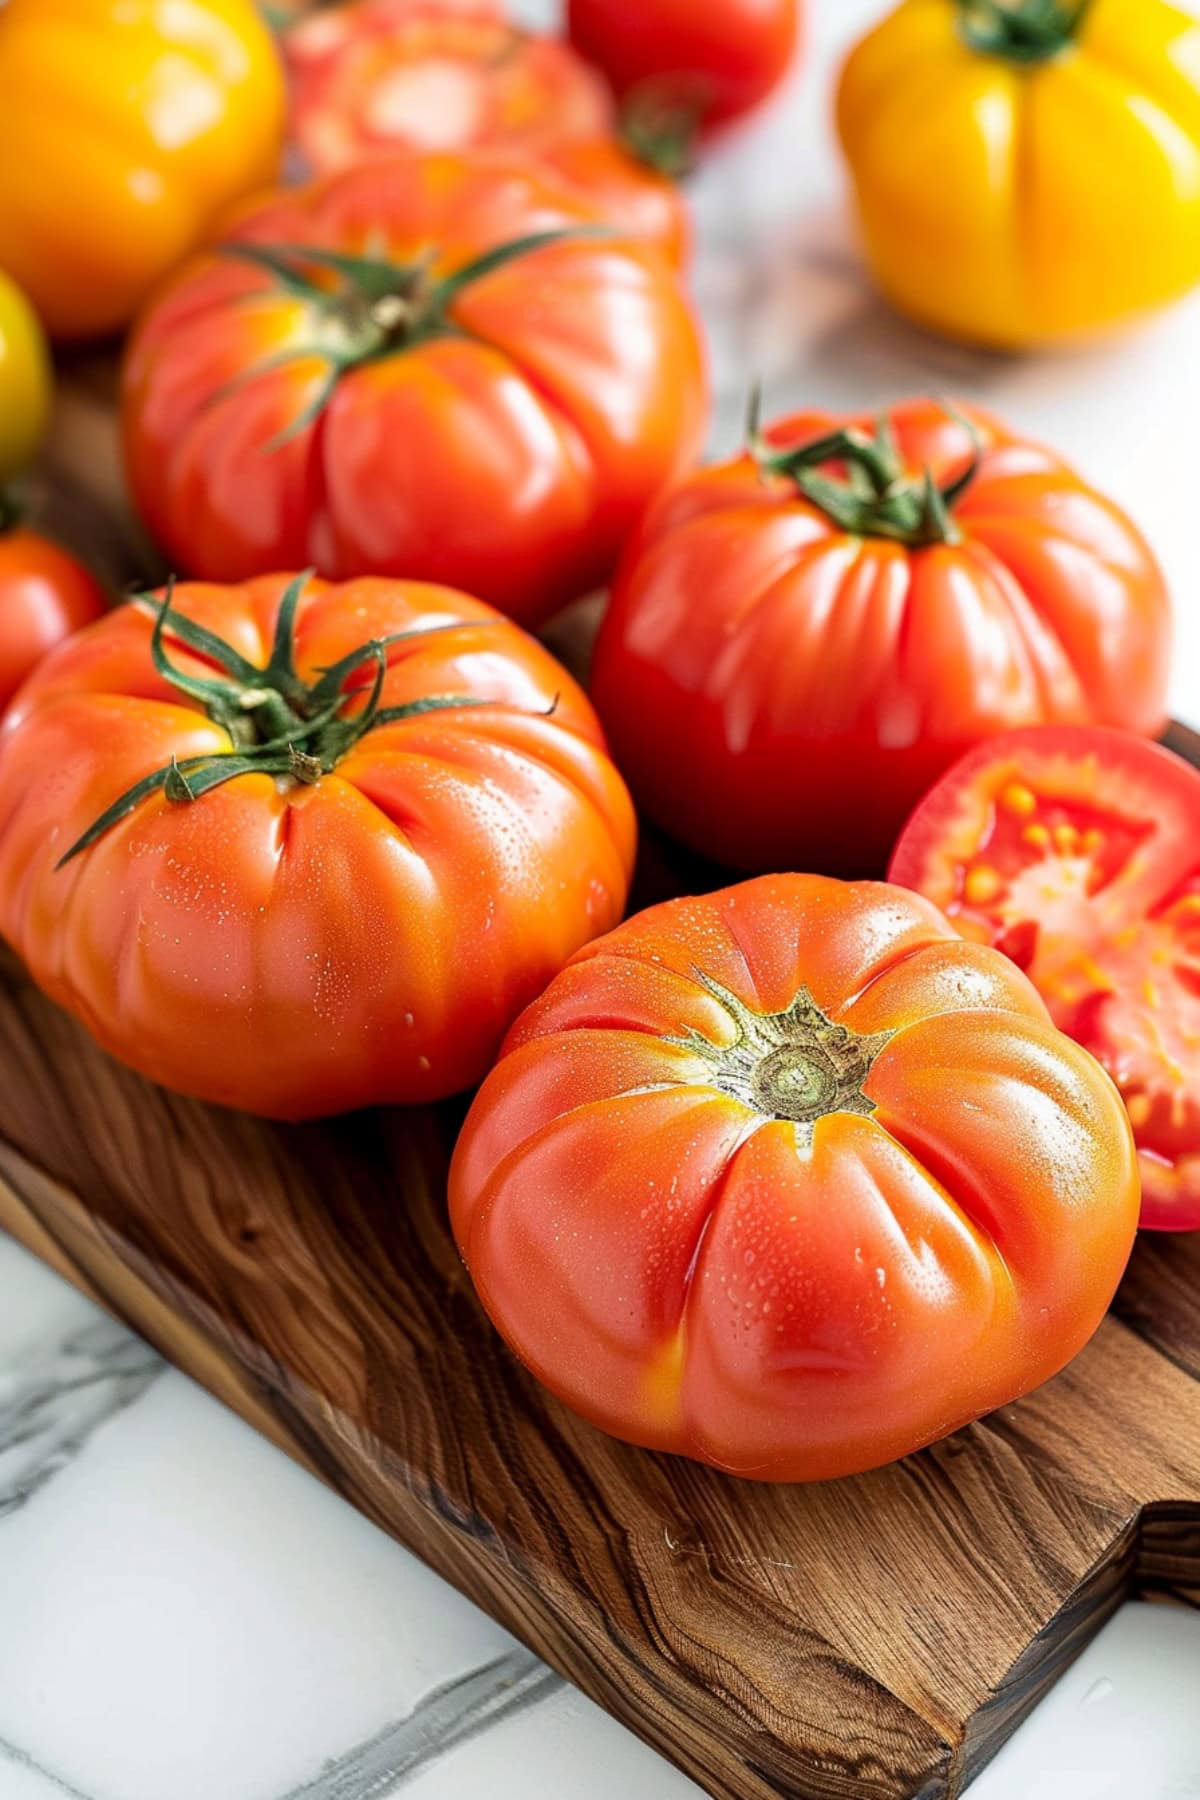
(796, 1064)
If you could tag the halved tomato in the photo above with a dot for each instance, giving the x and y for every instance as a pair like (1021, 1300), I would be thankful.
(1077, 852)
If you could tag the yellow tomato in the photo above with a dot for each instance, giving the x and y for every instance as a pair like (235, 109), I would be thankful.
(24, 380)
(1027, 170)
(126, 128)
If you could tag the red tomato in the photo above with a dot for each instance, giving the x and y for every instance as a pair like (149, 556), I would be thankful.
(720, 57)
(792, 1180)
(45, 595)
(1077, 852)
(459, 401)
(317, 860)
(793, 656)
(384, 75)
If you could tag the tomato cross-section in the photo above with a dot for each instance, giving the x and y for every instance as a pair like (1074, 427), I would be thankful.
(1077, 852)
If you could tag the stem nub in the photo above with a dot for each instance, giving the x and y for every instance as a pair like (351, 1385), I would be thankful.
(277, 723)
(1022, 31)
(796, 1065)
(878, 496)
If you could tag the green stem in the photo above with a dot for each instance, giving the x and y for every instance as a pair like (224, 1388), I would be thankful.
(375, 307)
(278, 724)
(662, 128)
(877, 496)
(1022, 31)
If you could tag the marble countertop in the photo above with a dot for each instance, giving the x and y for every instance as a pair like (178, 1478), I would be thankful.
(184, 1615)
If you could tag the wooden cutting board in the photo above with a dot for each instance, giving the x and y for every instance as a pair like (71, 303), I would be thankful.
(876, 1637)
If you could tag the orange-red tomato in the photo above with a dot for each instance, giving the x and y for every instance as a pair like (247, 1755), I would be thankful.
(1077, 853)
(316, 861)
(720, 57)
(796, 650)
(383, 75)
(792, 1180)
(45, 595)
(497, 424)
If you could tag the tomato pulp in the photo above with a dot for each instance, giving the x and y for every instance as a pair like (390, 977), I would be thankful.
(1077, 852)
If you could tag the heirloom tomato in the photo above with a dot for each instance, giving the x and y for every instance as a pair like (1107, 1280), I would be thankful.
(25, 381)
(804, 638)
(299, 848)
(127, 127)
(792, 1180)
(439, 367)
(45, 595)
(720, 58)
(1027, 170)
(382, 75)
(1077, 853)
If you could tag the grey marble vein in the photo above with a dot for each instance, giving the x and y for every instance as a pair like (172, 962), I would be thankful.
(11, 1753)
(447, 1716)
(57, 1395)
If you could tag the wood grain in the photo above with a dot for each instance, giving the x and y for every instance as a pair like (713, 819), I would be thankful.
(870, 1639)
(873, 1637)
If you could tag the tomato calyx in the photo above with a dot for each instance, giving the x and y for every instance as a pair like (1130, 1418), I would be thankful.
(877, 497)
(660, 125)
(375, 308)
(796, 1065)
(1022, 31)
(278, 724)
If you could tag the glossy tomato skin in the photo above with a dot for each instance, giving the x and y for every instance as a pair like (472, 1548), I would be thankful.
(510, 455)
(387, 75)
(1013, 204)
(781, 693)
(297, 950)
(725, 55)
(792, 1302)
(175, 112)
(637, 199)
(45, 595)
(1077, 852)
(25, 381)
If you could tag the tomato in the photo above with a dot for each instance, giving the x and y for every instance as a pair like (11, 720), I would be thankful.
(1027, 170)
(805, 637)
(45, 595)
(632, 193)
(721, 57)
(499, 424)
(790, 1180)
(1077, 852)
(383, 75)
(128, 126)
(25, 381)
(299, 848)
